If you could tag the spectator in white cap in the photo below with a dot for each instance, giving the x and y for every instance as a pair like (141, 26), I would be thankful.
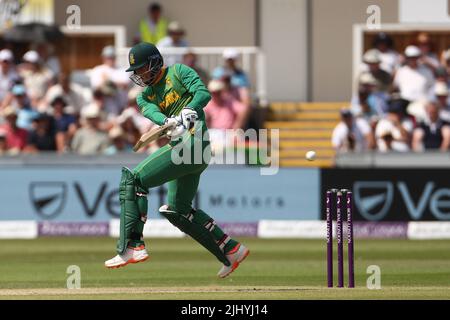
(174, 39)
(372, 62)
(413, 80)
(8, 74)
(37, 78)
(104, 73)
(90, 139)
(235, 79)
(441, 94)
(118, 142)
(238, 76)
(369, 104)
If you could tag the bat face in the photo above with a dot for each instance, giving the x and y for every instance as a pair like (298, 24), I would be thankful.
(150, 136)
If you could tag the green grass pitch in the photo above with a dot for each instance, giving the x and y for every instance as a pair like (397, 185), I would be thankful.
(181, 269)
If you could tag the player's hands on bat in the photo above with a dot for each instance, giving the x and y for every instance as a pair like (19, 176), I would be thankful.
(188, 116)
(172, 122)
(177, 128)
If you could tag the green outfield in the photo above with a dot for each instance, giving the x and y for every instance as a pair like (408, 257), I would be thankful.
(181, 269)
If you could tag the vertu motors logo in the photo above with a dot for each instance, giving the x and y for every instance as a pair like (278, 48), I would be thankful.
(48, 198)
(373, 198)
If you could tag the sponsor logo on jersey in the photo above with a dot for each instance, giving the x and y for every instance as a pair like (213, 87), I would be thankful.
(169, 99)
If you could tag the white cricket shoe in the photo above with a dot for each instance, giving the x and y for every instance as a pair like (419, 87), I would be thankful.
(131, 255)
(235, 256)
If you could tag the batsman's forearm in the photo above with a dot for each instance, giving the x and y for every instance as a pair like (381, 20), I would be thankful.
(156, 117)
(200, 99)
(150, 111)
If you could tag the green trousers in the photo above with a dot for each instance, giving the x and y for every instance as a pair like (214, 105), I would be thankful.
(183, 177)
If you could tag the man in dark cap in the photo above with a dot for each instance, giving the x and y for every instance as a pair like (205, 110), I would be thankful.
(390, 59)
(397, 126)
(352, 134)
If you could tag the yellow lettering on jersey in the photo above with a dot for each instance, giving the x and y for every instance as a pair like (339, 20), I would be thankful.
(169, 99)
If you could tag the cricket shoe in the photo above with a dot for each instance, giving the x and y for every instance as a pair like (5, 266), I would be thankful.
(131, 255)
(235, 256)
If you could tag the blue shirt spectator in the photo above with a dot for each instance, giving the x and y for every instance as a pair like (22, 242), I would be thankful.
(62, 119)
(238, 76)
(26, 114)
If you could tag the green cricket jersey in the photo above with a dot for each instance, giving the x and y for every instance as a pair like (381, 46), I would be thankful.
(179, 87)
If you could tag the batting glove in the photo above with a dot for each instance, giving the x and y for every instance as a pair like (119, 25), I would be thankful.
(172, 122)
(177, 128)
(188, 116)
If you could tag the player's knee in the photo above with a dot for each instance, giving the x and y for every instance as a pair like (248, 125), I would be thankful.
(138, 182)
(136, 175)
(129, 186)
(127, 176)
(171, 213)
(182, 207)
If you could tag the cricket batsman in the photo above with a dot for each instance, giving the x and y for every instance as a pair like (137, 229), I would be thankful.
(176, 96)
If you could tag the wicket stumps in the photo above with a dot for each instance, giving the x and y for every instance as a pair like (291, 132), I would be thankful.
(334, 203)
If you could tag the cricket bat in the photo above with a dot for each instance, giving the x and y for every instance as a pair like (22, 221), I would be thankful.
(152, 135)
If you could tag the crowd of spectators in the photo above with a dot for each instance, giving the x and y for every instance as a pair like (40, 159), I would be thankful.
(401, 101)
(41, 110)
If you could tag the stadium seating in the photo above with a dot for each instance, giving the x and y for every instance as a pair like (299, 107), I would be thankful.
(304, 127)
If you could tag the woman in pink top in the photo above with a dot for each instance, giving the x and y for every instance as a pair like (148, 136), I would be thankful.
(223, 111)
(16, 138)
